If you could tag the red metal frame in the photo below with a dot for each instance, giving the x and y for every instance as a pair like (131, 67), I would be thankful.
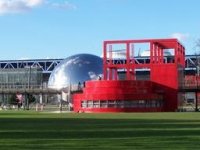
(164, 79)
(157, 47)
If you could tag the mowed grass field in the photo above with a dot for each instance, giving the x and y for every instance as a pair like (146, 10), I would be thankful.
(25, 130)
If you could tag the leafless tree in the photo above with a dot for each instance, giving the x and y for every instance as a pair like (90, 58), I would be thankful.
(197, 53)
(197, 45)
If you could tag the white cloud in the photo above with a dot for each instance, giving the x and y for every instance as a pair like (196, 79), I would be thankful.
(33, 3)
(92, 75)
(17, 6)
(65, 5)
(180, 36)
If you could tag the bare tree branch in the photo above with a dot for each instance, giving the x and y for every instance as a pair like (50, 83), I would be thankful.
(198, 43)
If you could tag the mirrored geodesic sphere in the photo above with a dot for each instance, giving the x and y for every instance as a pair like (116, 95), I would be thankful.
(76, 69)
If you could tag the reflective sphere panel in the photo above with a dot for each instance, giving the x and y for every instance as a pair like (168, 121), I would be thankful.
(75, 69)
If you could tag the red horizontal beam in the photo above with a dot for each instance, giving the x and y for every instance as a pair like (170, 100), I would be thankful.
(139, 41)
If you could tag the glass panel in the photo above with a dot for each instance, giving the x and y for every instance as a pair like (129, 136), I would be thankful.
(103, 104)
(111, 103)
(96, 104)
(84, 104)
(90, 104)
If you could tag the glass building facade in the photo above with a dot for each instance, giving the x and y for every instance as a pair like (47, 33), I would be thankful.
(22, 78)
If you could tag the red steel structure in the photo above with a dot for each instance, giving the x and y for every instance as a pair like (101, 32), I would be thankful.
(114, 94)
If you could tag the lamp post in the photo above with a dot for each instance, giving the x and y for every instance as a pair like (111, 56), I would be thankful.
(197, 75)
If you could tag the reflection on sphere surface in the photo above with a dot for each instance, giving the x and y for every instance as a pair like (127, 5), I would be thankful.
(75, 69)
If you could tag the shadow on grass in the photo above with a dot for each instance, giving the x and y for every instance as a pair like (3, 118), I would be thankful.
(91, 133)
(68, 128)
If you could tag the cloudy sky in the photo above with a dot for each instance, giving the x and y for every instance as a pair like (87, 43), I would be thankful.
(32, 29)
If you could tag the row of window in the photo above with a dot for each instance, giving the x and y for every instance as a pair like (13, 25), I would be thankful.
(121, 103)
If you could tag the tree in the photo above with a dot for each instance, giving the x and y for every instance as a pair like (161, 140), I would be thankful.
(197, 46)
(198, 43)
(31, 98)
(12, 100)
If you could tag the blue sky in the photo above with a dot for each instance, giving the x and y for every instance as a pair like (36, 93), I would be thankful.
(34, 29)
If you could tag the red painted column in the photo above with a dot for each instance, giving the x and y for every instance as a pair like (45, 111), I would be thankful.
(128, 60)
(132, 63)
(151, 52)
(156, 53)
(110, 55)
(175, 53)
(162, 55)
(105, 61)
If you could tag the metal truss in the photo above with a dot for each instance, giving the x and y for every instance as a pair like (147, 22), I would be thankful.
(192, 62)
(47, 65)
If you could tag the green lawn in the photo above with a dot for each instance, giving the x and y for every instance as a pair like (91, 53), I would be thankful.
(36, 130)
